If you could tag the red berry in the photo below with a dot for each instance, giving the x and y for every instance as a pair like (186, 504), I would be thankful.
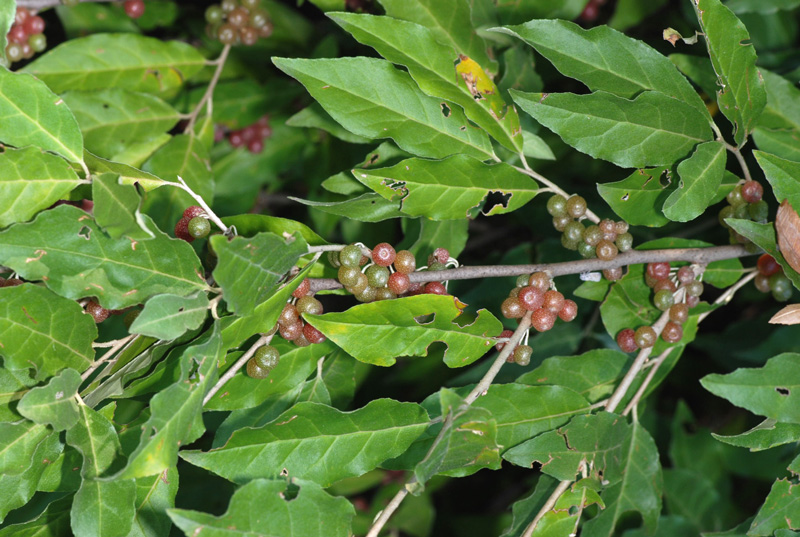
(13, 282)
(398, 283)
(540, 280)
(767, 265)
(34, 25)
(98, 312)
(87, 205)
(416, 288)
(193, 211)
(383, 254)
(590, 13)
(530, 297)
(441, 255)
(752, 191)
(182, 230)
(672, 333)
(289, 315)
(313, 335)
(17, 35)
(21, 15)
(255, 146)
(302, 289)
(553, 301)
(658, 271)
(435, 288)
(568, 311)
(504, 334)
(134, 8)
(626, 341)
(291, 331)
(264, 131)
(667, 284)
(249, 133)
(236, 139)
(692, 301)
(686, 275)
(512, 308)
(543, 319)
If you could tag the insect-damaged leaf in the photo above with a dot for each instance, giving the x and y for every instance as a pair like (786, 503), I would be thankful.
(450, 189)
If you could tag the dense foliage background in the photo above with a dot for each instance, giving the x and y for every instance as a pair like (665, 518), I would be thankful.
(425, 124)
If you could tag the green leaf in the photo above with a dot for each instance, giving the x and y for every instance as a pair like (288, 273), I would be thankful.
(315, 117)
(128, 61)
(638, 198)
(53, 522)
(651, 130)
(116, 208)
(128, 175)
(248, 225)
(371, 98)
(638, 490)
(761, 6)
(518, 12)
(112, 119)
(169, 316)
(239, 103)
(783, 175)
(378, 332)
(782, 110)
(763, 236)
(449, 189)
(767, 434)
(593, 374)
(430, 64)
(103, 508)
(562, 519)
(317, 442)
(175, 411)
(32, 319)
(365, 208)
(7, 13)
(154, 495)
(264, 507)
(32, 180)
(698, 69)
(53, 404)
(782, 143)
(31, 114)
(450, 21)
(701, 175)
(183, 156)
(248, 269)
(780, 510)
(68, 248)
(18, 441)
(606, 60)
(771, 391)
(91, 18)
(96, 439)
(19, 489)
(742, 96)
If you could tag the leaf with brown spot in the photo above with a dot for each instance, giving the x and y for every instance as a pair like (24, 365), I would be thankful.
(788, 315)
(787, 226)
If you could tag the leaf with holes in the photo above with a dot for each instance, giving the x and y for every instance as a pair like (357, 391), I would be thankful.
(116, 208)
(169, 316)
(638, 198)
(31, 114)
(248, 269)
(450, 189)
(130, 61)
(66, 249)
(317, 442)
(378, 332)
(32, 180)
(701, 174)
(653, 129)
(741, 96)
(33, 319)
(267, 507)
(373, 99)
(53, 404)
(772, 391)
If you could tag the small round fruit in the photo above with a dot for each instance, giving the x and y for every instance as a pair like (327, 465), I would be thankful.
(398, 283)
(663, 300)
(686, 275)
(239, 17)
(258, 19)
(182, 230)
(384, 293)
(193, 210)
(348, 276)
(313, 335)
(14, 52)
(694, 288)
(291, 331)
(21, 15)
(759, 211)
(752, 191)
(229, 5)
(333, 259)
(767, 265)
(199, 227)
(568, 311)
(587, 251)
(255, 146)
(255, 371)
(621, 227)
(742, 212)
(762, 283)
(288, 316)
(266, 357)
(522, 355)
(34, 25)
(613, 274)
(236, 139)
(672, 332)
(543, 320)
(309, 305)
(553, 301)
(214, 14)
(38, 42)
(626, 340)
(624, 242)
(383, 254)
(540, 280)
(249, 37)
(645, 337)
(735, 197)
(781, 287)
(679, 313)
(725, 213)
(301, 340)
(557, 205)
(98, 312)
(592, 235)
(361, 283)
(505, 334)
(606, 250)
(302, 289)
(609, 229)
(531, 298)
(514, 292)
(570, 244)
(576, 206)
(574, 231)
(134, 8)
(522, 280)
(350, 255)
(442, 255)
(265, 30)
(435, 265)
(227, 34)
(560, 222)
(17, 34)
(692, 301)
(367, 295)
(667, 284)
(377, 276)
(658, 271)
(512, 308)
(435, 288)
(405, 262)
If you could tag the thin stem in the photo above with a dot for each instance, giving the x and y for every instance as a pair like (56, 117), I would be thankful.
(701, 256)
(211, 215)
(210, 89)
(552, 186)
(547, 507)
(114, 348)
(655, 364)
(727, 296)
(388, 511)
(260, 342)
(107, 344)
(738, 154)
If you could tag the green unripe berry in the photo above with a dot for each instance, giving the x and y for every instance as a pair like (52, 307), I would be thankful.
(759, 211)
(742, 211)
(694, 288)
(568, 244)
(214, 14)
(592, 235)
(780, 286)
(560, 222)
(309, 304)
(726, 212)
(522, 354)
(377, 276)
(333, 259)
(663, 299)
(574, 231)
(38, 42)
(586, 250)
(255, 371)
(522, 280)
(557, 205)
(367, 295)
(350, 255)
(199, 227)
(348, 276)
(624, 242)
(267, 357)
(734, 197)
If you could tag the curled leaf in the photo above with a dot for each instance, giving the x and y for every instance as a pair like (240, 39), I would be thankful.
(788, 315)
(787, 226)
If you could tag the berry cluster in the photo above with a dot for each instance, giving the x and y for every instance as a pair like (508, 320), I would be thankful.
(744, 202)
(387, 277)
(193, 225)
(603, 241)
(238, 21)
(657, 276)
(770, 278)
(252, 136)
(26, 36)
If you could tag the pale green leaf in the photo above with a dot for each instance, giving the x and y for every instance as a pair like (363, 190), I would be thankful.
(169, 316)
(771, 391)
(317, 442)
(53, 404)
(651, 130)
(700, 177)
(32, 180)
(606, 60)
(315, 117)
(18, 441)
(783, 143)
(781, 510)
(31, 114)
(65, 248)
(248, 269)
(95, 438)
(264, 508)
(449, 189)
(378, 332)
(19, 489)
(103, 508)
(741, 94)
(638, 198)
(767, 434)
(371, 98)
(365, 208)
(154, 495)
(33, 319)
(783, 175)
(248, 225)
(128, 175)
(129, 61)
(116, 208)
(782, 110)
(430, 64)
(7, 12)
